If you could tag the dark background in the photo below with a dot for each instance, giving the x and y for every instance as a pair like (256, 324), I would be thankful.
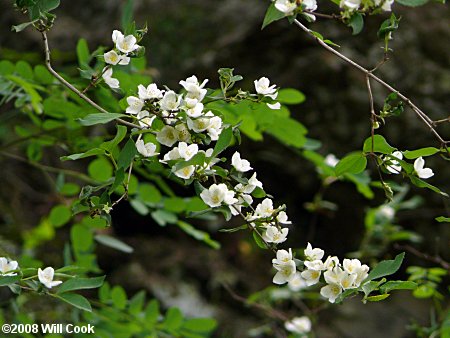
(200, 36)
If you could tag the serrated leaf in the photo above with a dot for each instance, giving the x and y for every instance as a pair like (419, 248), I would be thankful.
(386, 268)
(100, 118)
(75, 300)
(81, 284)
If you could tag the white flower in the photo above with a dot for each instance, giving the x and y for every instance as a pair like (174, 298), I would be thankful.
(298, 325)
(147, 149)
(135, 105)
(196, 110)
(187, 152)
(144, 118)
(394, 166)
(168, 135)
(113, 58)
(334, 275)
(150, 92)
(274, 106)
(252, 184)
(420, 170)
(199, 125)
(286, 6)
(313, 254)
(297, 283)
(386, 211)
(240, 164)
(361, 274)
(263, 87)
(311, 277)
(125, 44)
(283, 257)
(216, 194)
(386, 6)
(350, 5)
(315, 265)
(274, 235)
(183, 132)
(174, 154)
(194, 88)
(185, 172)
(109, 80)
(331, 160)
(215, 127)
(283, 218)
(351, 265)
(331, 292)
(6, 266)
(170, 101)
(310, 5)
(46, 277)
(265, 208)
(285, 272)
(347, 281)
(331, 262)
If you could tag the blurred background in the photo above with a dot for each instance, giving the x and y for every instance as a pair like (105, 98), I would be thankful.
(198, 37)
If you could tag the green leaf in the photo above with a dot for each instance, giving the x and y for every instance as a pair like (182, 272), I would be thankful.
(100, 118)
(127, 154)
(356, 23)
(114, 243)
(198, 234)
(173, 319)
(91, 152)
(354, 163)
(290, 96)
(127, 15)
(397, 285)
(203, 325)
(136, 303)
(100, 169)
(259, 242)
(120, 135)
(386, 268)
(380, 145)
(81, 284)
(83, 53)
(412, 3)
(7, 280)
(422, 184)
(272, 15)
(377, 298)
(162, 217)
(242, 227)
(413, 154)
(119, 297)
(75, 300)
(60, 215)
(197, 159)
(442, 219)
(48, 5)
(22, 26)
(288, 131)
(152, 312)
(223, 142)
(149, 193)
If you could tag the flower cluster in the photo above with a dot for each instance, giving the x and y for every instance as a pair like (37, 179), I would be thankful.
(394, 167)
(120, 55)
(338, 277)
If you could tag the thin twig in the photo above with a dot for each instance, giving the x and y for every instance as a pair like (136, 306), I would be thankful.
(270, 311)
(428, 122)
(72, 88)
(435, 259)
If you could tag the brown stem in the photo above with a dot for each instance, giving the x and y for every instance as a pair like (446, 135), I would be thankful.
(435, 259)
(72, 88)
